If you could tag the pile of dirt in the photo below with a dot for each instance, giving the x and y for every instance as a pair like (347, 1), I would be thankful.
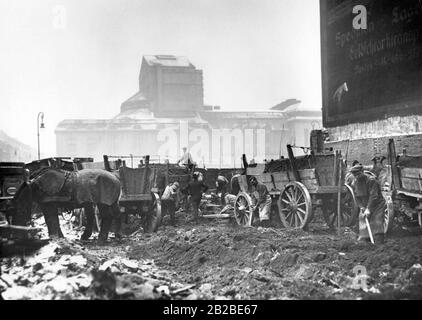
(215, 260)
(268, 263)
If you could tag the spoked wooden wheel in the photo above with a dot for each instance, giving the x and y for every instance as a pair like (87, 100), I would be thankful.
(295, 206)
(349, 210)
(242, 210)
(153, 220)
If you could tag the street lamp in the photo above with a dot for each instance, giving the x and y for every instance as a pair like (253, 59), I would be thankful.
(38, 129)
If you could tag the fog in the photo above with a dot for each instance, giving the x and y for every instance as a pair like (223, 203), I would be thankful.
(81, 59)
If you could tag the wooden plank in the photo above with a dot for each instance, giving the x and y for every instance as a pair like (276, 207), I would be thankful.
(265, 178)
(293, 163)
(281, 177)
(392, 161)
(410, 194)
(20, 228)
(256, 171)
(269, 185)
(307, 174)
(135, 197)
(411, 184)
(218, 216)
(328, 190)
(311, 184)
(415, 173)
(92, 165)
(281, 185)
(243, 183)
(326, 176)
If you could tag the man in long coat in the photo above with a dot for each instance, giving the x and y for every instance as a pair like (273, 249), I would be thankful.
(168, 201)
(263, 201)
(373, 206)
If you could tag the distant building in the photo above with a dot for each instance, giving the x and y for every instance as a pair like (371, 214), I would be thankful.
(12, 150)
(168, 113)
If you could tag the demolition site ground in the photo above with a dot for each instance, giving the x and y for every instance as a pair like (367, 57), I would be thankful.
(216, 259)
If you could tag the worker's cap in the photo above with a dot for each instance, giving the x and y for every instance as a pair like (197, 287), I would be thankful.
(356, 169)
(377, 158)
(354, 163)
(176, 184)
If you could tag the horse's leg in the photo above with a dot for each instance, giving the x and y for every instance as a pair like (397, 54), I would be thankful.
(89, 213)
(117, 215)
(52, 220)
(47, 219)
(106, 220)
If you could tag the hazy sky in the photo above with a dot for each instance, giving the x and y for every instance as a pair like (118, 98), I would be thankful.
(254, 54)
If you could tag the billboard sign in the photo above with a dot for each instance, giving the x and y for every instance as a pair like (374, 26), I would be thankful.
(371, 59)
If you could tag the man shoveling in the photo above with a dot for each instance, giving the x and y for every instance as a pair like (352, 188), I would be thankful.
(263, 202)
(373, 207)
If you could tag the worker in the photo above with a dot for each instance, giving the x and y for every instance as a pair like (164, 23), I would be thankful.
(349, 178)
(186, 160)
(222, 185)
(169, 200)
(263, 201)
(372, 204)
(195, 189)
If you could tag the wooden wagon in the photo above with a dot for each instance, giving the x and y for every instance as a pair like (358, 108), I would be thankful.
(298, 187)
(406, 183)
(139, 195)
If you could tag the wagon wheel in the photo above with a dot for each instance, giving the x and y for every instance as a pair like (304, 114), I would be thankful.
(242, 209)
(295, 206)
(349, 211)
(154, 218)
(388, 214)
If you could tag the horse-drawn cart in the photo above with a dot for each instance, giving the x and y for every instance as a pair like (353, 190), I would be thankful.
(139, 195)
(406, 183)
(298, 187)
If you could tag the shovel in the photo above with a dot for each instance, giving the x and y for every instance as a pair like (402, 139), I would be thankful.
(369, 231)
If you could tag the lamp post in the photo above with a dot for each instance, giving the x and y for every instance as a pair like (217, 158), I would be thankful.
(38, 129)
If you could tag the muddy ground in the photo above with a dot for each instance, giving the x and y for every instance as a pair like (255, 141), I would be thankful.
(215, 259)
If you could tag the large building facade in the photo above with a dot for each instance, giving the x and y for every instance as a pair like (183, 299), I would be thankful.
(168, 113)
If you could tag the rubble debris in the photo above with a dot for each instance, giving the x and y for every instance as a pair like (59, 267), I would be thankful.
(208, 260)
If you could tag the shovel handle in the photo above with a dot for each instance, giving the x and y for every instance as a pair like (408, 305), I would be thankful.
(369, 231)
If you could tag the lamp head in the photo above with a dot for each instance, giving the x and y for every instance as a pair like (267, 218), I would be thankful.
(42, 126)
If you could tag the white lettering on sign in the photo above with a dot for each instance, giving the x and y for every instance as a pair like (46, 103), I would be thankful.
(360, 279)
(361, 20)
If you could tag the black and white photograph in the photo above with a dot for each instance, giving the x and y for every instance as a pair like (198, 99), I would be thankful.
(227, 151)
